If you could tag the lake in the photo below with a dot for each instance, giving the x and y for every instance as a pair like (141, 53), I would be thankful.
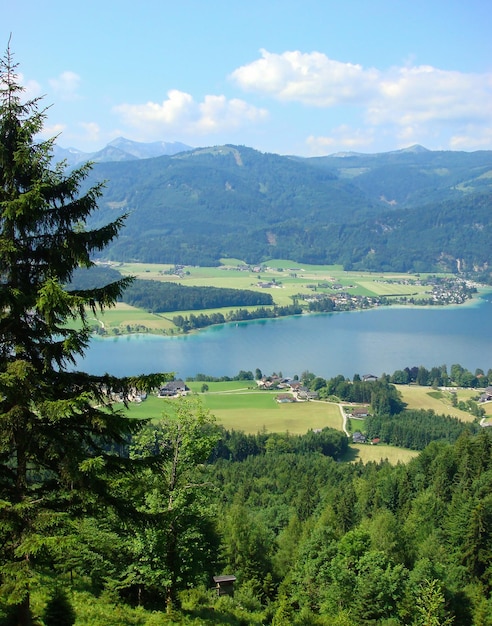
(364, 342)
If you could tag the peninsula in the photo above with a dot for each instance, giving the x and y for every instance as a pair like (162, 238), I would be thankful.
(169, 299)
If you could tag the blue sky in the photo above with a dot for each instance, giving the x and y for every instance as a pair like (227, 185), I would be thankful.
(305, 77)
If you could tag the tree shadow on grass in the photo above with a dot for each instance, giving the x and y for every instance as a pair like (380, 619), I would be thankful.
(351, 455)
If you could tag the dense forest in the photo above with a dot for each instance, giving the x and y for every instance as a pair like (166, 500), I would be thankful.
(157, 297)
(309, 540)
(415, 429)
(373, 544)
(410, 210)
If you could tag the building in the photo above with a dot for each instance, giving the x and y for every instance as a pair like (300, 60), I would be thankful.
(173, 388)
(358, 437)
(224, 585)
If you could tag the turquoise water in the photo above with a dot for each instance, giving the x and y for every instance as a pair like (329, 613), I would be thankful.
(373, 341)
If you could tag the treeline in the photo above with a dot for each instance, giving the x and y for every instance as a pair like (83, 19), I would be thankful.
(323, 305)
(242, 375)
(93, 277)
(358, 390)
(203, 320)
(383, 397)
(238, 446)
(458, 376)
(415, 429)
(160, 297)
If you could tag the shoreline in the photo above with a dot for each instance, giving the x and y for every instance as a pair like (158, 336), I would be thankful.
(473, 302)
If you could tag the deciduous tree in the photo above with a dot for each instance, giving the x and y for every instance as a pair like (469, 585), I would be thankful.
(178, 546)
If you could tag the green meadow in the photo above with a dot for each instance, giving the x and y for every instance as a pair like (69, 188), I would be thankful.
(124, 318)
(261, 412)
(426, 398)
(249, 410)
(369, 453)
(240, 405)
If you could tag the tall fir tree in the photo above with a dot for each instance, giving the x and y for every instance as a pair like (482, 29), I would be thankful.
(58, 426)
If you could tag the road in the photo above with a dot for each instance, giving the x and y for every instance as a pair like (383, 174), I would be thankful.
(344, 420)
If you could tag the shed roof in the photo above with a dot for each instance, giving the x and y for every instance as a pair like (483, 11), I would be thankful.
(224, 579)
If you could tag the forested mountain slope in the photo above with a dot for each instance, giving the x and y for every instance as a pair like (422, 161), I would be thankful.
(414, 176)
(412, 210)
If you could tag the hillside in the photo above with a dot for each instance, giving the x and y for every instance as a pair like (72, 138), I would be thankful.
(414, 176)
(410, 210)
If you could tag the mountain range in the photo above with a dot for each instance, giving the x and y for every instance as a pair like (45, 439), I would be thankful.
(119, 149)
(409, 210)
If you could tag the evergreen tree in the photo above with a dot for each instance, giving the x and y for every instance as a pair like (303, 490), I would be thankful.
(57, 426)
(430, 605)
(59, 611)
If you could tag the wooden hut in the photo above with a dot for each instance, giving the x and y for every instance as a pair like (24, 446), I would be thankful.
(224, 585)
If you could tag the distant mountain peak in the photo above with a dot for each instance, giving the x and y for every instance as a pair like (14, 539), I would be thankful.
(154, 148)
(121, 149)
(415, 149)
(344, 155)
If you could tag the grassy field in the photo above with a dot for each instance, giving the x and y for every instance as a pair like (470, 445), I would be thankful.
(368, 453)
(125, 318)
(262, 412)
(239, 408)
(440, 401)
(288, 275)
(239, 405)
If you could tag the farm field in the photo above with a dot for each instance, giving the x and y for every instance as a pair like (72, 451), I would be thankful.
(124, 318)
(439, 401)
(239, 405)
(251, 411)
(290, 277)
(295, 418)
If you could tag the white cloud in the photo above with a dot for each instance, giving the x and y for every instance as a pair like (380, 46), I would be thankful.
(310, 78)
(53, 130)
(180, 114)
(84, 135)
(66, 85)
(342, 138)
(414, 104)
(472, 138)
(424, 94)
(92, 131)
(32, 88)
